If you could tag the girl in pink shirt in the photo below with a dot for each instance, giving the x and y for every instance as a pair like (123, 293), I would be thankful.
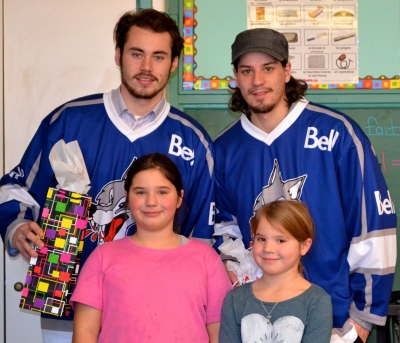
(154, 286)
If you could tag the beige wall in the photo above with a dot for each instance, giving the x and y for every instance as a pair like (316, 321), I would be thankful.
(54, 51)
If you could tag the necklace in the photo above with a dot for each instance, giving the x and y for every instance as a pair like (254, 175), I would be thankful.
(268, 313)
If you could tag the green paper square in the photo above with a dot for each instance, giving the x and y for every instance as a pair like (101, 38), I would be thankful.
(60, 207)
(53, 258)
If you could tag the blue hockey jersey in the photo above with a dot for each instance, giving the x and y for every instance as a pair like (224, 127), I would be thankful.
(320, 157)
(109, 147)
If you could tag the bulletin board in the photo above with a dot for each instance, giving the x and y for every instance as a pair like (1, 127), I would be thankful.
(210, 27)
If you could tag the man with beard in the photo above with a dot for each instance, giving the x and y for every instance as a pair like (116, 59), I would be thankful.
(112, 130)
(285, 148)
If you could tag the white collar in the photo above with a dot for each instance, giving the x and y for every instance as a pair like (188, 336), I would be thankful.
(268, 138)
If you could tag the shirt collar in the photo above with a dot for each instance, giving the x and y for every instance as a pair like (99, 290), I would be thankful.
(120, 106)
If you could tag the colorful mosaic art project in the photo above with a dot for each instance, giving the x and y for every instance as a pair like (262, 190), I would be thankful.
(52, 275)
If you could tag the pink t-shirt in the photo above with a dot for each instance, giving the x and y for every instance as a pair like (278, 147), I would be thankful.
(150, 295)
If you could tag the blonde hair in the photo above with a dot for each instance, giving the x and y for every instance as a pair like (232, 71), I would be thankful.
(286, 215)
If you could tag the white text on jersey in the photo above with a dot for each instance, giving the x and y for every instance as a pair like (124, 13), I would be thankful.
(211, 215)
(385, 206)
(323, 142)
(175, 148)
(16, 175)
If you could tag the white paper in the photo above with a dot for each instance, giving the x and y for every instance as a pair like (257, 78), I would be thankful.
(246, 268)
(69, 167)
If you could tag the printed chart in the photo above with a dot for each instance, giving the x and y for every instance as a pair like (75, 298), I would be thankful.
(322, 36)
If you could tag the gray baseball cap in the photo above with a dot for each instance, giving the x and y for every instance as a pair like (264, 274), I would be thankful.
(264, 40)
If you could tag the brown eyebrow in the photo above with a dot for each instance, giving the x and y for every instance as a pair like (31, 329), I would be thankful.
(159, 52)
(162, 187)
(264, 65)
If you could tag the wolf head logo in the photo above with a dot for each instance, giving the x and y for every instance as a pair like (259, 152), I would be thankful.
(110, 219)
(277, 189)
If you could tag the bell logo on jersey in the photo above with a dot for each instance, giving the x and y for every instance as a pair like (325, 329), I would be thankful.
(385, 206)
(323, 142)
(175, 148)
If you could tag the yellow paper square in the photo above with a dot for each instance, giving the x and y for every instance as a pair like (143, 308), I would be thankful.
(43, 286)
(394, 84)
(59, 243)
(66, 222)
(50, 192)
(55, 273)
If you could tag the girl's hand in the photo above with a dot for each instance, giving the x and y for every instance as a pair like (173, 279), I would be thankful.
(362, 332)
(232, 276)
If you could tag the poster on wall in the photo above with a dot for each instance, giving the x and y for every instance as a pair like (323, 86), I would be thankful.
(322, 36)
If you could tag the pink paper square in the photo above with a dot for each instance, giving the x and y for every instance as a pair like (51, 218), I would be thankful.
(25, 292)
(80, 224)
(65, 258)
(45, 212)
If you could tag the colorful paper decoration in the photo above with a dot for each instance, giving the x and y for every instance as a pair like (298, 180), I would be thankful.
(52, 275)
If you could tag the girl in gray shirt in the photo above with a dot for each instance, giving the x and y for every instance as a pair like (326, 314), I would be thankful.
(281, 306)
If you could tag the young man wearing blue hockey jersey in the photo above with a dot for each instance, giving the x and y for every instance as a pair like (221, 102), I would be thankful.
(112, 130)
(284, 147)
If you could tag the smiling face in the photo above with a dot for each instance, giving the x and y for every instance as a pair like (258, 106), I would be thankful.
(153, 201)
(145, 64)
(277, 252)
(261, 80)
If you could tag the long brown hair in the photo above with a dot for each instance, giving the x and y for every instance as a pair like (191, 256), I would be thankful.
(286, 215)
(294, 89)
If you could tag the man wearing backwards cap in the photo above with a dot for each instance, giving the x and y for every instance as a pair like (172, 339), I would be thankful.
(284, 147)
